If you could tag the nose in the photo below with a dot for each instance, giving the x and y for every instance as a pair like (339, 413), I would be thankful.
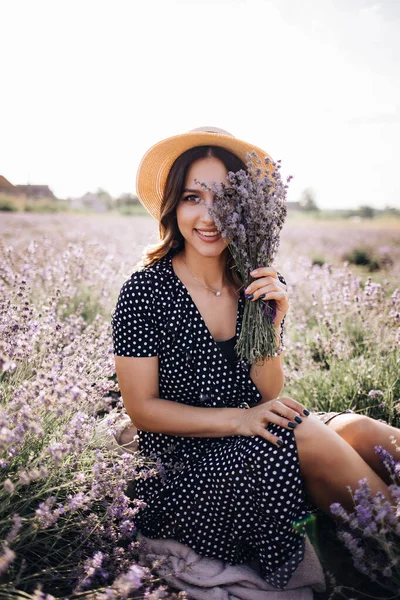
(208, 203)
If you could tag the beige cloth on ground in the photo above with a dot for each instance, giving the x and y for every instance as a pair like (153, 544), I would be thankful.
(206, 578)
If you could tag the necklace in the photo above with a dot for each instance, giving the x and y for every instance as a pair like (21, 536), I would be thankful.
(216, 292)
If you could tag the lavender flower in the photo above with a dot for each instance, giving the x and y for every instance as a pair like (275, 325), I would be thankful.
(249, 211)
(8, 486)
(389, 462)
(91, 567)
(38, 594)
(374, 394)
(7, 557)
(126, 583)
(372, 534)
(15, 530)
(57, 284)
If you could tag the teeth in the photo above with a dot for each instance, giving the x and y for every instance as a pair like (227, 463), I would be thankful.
(208, 233)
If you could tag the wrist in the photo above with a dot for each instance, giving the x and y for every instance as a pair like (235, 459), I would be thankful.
(279, 344)
(234, 420)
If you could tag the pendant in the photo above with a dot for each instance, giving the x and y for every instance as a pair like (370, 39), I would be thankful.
(217, 293)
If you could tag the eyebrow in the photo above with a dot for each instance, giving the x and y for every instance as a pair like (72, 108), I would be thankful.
(192, 190)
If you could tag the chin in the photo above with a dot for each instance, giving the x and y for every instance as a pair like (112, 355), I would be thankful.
(209, 250)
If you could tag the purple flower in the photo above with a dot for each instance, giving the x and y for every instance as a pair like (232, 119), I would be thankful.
(7, 557)
(8, 486)
(44, 514)
(250, 210)
(16, 528)
(91, 567)
(129, 581)
(338, 511)
(375, 394)
(389, 462)
(372, 532)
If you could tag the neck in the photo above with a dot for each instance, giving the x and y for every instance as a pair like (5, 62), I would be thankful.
(210, 270)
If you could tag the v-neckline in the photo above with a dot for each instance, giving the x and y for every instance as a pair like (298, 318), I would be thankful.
(189, 296)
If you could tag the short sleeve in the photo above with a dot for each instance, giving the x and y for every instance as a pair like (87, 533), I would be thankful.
(282, 280)
(133, 330)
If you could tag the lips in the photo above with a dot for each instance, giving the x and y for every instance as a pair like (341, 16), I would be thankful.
(207, 237)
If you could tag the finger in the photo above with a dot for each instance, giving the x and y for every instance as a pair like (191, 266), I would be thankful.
(286, 412)
(300, 408)
(270, 437)
(265, 285)
(261, 295)
(272, 417)
(262, 281)
(264, 271)
(281, 285)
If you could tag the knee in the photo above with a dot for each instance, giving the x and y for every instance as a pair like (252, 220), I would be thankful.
(310, 430)
(356, 430)
(314, 445)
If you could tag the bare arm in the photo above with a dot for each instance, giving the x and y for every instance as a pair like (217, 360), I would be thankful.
(269, 377)
(138, 382)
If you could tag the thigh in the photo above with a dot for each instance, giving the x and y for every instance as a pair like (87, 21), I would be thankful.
(327, 417)
(358, 430)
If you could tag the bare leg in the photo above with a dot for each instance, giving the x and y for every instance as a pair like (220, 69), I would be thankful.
(363, 434)
(329, 464)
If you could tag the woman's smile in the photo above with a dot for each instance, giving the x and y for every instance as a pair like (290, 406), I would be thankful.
(208, 236)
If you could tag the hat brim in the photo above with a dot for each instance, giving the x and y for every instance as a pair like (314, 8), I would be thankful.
(156, 163)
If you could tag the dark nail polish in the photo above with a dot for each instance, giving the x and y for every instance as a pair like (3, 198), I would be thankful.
(298, 419)
(262, 296)
(250, 297)
(306, 412)
(279, 442)
(292, 425)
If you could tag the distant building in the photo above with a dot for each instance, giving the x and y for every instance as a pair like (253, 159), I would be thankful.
(291, 206)
(36, 191)
(6, 187)
(30, 191)
(89, 201)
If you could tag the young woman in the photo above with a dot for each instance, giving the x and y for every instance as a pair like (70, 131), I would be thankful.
(239, 464)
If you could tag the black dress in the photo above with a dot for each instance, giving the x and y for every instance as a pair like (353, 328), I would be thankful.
(234, 498)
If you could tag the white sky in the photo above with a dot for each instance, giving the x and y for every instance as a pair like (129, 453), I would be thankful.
(88, 86)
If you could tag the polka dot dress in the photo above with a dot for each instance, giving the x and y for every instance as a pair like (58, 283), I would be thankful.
(233, 498)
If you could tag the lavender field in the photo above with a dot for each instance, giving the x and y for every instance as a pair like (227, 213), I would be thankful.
(67, 505)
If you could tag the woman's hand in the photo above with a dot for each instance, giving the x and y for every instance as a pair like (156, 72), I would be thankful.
(283, 411)
(268, 287)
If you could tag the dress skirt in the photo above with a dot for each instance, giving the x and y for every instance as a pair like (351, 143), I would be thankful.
(241, 498)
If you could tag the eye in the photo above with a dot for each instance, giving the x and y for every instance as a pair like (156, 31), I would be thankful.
(192, 198)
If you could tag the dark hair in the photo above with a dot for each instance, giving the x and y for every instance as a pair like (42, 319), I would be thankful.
(170, 236)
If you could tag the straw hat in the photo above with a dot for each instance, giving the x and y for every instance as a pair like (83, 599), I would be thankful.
(156, 163)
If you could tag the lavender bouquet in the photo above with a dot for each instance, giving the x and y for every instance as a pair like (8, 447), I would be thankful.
(250, 211)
